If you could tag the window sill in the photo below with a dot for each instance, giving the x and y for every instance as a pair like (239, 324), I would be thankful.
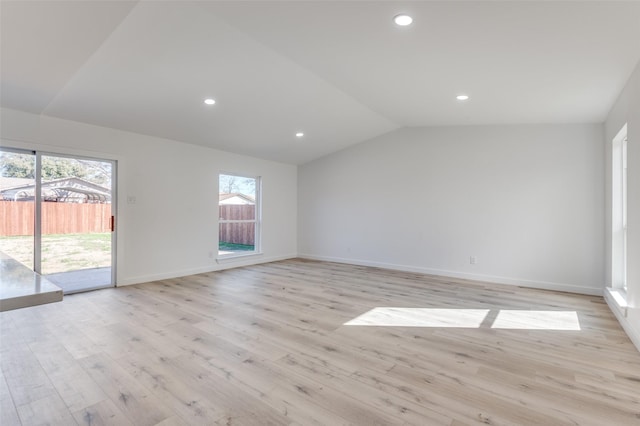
(227, 258)
(619, 297)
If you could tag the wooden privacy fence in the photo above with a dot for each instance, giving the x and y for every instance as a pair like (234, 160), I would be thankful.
(16, 218)
(237, 233)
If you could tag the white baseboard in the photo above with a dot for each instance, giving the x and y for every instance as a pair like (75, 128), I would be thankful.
(227, 264)
(622, 314)
(254, 260)
(543, 285)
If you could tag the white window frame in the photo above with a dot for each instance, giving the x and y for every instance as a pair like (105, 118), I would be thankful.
(257, 246)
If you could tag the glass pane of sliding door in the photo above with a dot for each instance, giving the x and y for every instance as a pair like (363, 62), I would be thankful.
(76, 222)
(17, 194)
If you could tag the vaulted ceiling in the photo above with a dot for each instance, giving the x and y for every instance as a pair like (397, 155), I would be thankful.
(339, 71)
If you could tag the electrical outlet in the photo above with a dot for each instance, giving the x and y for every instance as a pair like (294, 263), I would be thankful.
(131, 199)
(473, 260)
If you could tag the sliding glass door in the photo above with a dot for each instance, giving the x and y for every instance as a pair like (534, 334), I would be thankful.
(72, 217)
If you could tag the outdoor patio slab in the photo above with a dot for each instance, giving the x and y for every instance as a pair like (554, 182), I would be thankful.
(82, 280)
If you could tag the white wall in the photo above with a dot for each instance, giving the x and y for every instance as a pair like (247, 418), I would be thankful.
(626, 110)
(527, 201)
(173, 226)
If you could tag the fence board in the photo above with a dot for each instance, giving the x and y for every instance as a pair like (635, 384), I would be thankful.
(237, 211)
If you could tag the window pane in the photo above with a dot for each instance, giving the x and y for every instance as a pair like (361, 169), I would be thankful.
(619, 210)
(624, 214)
(237, 202)
(624, 183)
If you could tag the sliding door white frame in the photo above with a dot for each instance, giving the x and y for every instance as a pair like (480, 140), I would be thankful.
(37, 228)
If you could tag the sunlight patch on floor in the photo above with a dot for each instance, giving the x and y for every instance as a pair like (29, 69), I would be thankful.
(505, 319)
(536, 320)
(421, 317)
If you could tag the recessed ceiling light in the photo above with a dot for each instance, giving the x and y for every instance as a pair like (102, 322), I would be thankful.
(403, 20)
(209, 101)
(299, 135)
(462, 97)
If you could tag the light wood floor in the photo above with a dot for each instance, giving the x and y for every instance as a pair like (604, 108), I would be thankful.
(267, 345)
